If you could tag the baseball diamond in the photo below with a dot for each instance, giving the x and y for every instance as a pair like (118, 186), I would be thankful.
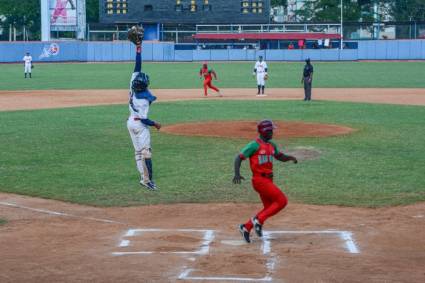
(212, 141)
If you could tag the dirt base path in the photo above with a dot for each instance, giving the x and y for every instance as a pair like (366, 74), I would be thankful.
(19, 100)
(89, 244)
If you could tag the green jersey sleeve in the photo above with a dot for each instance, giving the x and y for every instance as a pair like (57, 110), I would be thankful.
(249, 149)
(276, 149)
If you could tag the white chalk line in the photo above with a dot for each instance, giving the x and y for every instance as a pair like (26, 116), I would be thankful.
(58, 213)
(345, 236)
(204, 247)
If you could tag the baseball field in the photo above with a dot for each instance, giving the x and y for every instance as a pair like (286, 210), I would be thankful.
(71, 208)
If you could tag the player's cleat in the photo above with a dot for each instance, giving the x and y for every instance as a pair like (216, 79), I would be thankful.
(257, 226)
(245, 233)
(151, 186)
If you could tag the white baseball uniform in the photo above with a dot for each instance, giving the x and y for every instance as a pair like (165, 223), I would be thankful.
(261, 68)
(28, 61)
(139, 132)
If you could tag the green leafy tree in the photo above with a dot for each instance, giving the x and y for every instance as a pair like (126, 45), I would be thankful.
(92, 8)
(330, 10)
(276, 3)
(21, 13)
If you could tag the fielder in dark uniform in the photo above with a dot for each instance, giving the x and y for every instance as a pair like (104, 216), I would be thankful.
(307, 79)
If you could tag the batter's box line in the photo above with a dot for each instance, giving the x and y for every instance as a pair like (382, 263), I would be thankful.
(345, 236)
(204, 248)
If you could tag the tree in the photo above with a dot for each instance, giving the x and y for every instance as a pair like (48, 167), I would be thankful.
(92, 9)
(330, 10)
(406, 10)
(276, 3)
(21, 13)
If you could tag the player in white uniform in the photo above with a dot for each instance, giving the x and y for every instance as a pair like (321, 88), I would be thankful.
(138, 123)
(260, 70)
(28, 64)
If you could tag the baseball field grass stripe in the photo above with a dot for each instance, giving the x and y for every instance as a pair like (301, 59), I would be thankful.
(83, 155)
(231, 75)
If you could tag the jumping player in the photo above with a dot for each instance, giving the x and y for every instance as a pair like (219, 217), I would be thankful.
(138, 123)
(260, 70)
(261, 153)
(208, 76)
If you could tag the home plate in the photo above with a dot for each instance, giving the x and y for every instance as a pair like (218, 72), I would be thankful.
(233, 242)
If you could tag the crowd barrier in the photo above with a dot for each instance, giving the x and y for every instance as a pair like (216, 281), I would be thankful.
(63, 51)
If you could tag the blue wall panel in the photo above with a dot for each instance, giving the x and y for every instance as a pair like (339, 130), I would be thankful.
(201, 55)
(292, 55)
(219, 55)
(168, 51)
(147, 51)
(314, 55)
(380, 50)
(415, 49)
(404, 49)
(157, 52)
(392, 50)
(163, 51)
(274, 55)
(348, 54)
(362, 50)
(183, 55)
(423, 49)
(237, 55)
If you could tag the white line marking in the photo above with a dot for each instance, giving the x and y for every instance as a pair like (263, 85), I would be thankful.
(58, 213)
(124, 243)
(185, 273)
(130, 233)
(266, 245)
(132, 253)
(204, 247)
(185, 276)
(346, 236)
(349, 242)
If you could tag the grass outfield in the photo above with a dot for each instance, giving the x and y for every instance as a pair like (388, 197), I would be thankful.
(231, 75)
(85, 155)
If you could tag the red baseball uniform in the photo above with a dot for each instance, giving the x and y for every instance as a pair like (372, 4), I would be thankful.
(208, 76)
(261, 155)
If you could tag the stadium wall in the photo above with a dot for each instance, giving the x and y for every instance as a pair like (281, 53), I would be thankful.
(163, 51)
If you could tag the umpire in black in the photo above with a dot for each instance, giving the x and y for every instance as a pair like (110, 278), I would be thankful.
(307, 79)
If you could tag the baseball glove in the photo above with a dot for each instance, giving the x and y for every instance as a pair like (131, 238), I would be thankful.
(266, 77)
(135, 34)
(32, 66)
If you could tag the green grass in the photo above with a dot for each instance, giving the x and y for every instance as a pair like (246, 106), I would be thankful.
(231, 75)
(85, 155)
(2, 221)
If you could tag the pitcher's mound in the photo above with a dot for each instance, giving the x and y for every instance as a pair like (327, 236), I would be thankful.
(248, 129)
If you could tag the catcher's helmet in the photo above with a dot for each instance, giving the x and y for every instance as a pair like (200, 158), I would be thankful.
(140, 82)
(265, 129)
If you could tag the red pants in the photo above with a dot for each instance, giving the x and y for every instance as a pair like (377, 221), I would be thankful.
(207, 84)
(274, 200)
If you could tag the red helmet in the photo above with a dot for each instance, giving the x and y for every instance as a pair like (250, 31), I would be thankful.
(265, 128)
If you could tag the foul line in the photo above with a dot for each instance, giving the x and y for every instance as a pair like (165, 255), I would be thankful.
(59, 213)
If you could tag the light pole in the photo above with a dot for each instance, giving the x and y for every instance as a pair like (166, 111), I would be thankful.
(342, 31)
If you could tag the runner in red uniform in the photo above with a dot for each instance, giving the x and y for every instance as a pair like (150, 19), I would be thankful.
(261, 153)
(208, 76)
